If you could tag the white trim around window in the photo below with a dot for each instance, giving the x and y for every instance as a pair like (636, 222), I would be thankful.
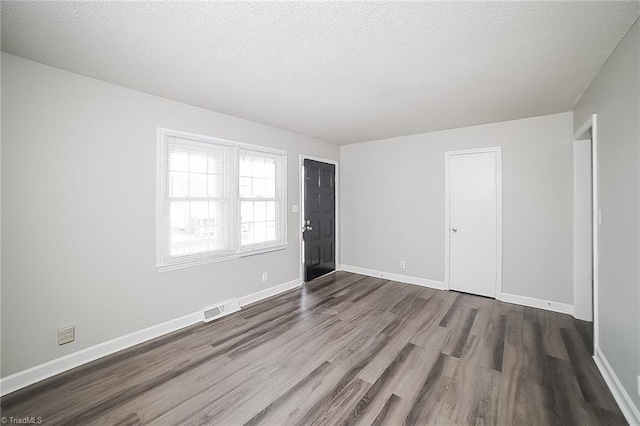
(217, 199)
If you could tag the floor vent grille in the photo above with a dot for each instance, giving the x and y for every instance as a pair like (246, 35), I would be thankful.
(221, 309)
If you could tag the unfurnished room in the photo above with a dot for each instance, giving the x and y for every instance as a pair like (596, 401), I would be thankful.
(320, 213)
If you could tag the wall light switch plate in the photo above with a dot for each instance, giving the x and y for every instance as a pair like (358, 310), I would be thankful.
(294, 208)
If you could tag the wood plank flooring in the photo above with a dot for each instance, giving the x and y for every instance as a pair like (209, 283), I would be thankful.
(344, 349)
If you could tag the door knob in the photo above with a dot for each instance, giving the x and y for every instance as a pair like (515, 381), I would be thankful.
(454, 230)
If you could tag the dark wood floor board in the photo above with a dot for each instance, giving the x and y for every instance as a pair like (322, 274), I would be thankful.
(393, 412)
(452, 311)
(472, 396)
(237, 405)
(412, 374)
(372, 402)
(284, 406)
(432, 337)
(426, 405)
(344, 349)
(533, 353)
(515, 322)
(590, 380)
(112, 372)
(115, 387)
(289, 407)
(390, 294)
(521, 402)
(348, 387)
(562, 393)
(397, 341)
(461, 328)
(149, 406)
(483, 320)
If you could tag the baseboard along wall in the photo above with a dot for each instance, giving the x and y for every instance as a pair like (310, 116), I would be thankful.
(51, 368)
(549, 305)
(407, 279)
(620, 394)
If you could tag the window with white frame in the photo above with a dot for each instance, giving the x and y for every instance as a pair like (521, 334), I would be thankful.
(217, 199)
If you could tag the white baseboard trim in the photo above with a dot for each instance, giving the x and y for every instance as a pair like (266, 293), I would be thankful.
(51, 368)
(628, 408)
(40, 372)
(423, 282)
(563, 308)
(268, 292)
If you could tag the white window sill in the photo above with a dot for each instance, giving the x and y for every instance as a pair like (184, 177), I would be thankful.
(200, 262)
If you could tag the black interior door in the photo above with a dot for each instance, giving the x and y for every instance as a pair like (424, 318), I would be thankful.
(319, 221)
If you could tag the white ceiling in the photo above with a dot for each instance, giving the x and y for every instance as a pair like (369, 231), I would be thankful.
(343, 72)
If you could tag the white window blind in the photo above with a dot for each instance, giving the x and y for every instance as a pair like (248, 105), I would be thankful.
(217, 200)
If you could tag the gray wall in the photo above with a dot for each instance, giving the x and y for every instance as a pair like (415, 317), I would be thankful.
(615, 96)
(393, 203)
(79, 209)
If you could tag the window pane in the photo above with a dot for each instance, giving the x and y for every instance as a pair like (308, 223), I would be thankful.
(271, 231)
(258, 187)
(245, 187)
(197, 185)
(178, 184)
(197, 227)
(270, 168)
(260, 211)
(258, 167)
(216, 163)
(271, 210)
(199, 210)
(179, 161)
(198, 163)
(269, 188)
(246, 211)
(215, 185)
(179, 214)
(260, 232)
(246, 233)
(246, 162)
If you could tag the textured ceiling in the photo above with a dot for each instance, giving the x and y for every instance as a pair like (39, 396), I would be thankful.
(341, 72)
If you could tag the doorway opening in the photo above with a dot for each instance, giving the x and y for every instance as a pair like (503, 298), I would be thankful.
(586, 220)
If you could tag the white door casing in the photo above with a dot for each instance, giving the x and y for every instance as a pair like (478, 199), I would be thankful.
(589, 130)
(473, 216)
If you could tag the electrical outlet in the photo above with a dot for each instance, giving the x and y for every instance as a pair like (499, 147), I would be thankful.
(264, 276)
(66, 335)
(403, 264)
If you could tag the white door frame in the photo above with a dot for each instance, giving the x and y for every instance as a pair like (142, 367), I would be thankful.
(447, 156)
(301, 204)
(592, 125)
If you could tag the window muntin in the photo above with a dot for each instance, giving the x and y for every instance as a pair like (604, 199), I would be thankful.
(218, 199)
